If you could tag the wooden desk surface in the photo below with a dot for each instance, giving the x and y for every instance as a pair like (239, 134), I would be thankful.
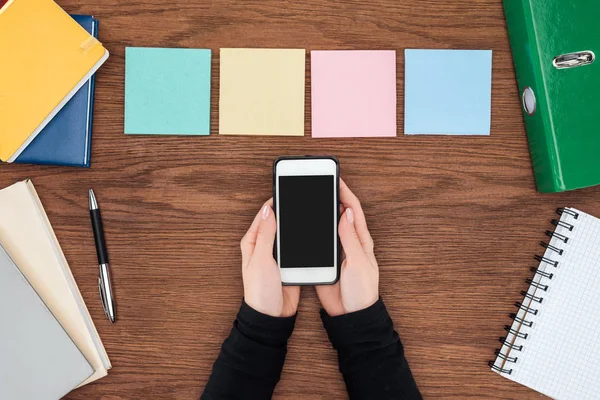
(456, 220)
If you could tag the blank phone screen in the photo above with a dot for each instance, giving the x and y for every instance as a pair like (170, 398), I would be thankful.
(306, 221)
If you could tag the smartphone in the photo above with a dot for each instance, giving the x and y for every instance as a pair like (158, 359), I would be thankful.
(307, 209)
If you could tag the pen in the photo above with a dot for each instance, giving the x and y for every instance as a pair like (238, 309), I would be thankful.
(104, 284)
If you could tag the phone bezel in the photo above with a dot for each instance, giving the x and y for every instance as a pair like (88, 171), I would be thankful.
(306, 166)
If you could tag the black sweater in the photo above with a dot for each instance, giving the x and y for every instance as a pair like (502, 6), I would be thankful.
(370, 355)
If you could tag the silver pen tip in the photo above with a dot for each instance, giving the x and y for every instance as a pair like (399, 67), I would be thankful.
(93, 202)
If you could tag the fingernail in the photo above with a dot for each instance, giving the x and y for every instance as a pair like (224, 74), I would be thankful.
(350, 215)
(265, 212)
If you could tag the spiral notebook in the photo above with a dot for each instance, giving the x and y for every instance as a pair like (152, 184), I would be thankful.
(553, 344)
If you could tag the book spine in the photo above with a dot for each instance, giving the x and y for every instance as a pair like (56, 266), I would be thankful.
(92, 89)
(538, 122)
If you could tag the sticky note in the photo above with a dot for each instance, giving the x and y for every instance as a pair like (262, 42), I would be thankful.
(353, 93)
(167, 91)
(448, 92)
(262, 92)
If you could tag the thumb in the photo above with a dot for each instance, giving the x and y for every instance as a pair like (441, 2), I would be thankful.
(348, 236)
(267, 229)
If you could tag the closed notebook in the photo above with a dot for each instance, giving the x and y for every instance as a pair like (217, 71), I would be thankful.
(46, 58)
(67, 139)
(27, 236)
(38, 360)
(554, 45)
(553, 342)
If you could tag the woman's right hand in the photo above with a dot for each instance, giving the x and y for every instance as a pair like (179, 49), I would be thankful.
(358, 286)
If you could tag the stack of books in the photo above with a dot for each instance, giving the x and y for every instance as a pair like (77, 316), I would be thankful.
(47, 83)
(48, 342)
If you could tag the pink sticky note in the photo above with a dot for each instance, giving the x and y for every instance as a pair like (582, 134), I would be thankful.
(353, 93)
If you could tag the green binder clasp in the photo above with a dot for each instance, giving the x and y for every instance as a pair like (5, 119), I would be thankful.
(573, 60)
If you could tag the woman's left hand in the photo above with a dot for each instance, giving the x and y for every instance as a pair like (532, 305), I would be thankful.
(263, 290)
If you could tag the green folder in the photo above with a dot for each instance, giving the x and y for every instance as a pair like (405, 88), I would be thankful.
(554, 44)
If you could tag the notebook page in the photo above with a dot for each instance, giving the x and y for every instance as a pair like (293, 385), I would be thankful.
(561, 355)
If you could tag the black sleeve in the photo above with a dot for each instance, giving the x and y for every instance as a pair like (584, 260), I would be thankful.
(370, 354)
(251, 359)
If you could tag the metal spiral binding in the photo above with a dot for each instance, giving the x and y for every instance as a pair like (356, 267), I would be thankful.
(509, 340)
(510, 330)
(537, 285)
(553, 248)
(527, 309)
(561, 211)
(511, 345)
(564, 224)
(547, 260)
(537, 299)
(543, 274)
(521, 321)
(551, 234)
(501, 370)
(506, 358)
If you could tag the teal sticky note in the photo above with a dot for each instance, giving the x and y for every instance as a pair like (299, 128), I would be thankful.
(448, 92)
(167, 91)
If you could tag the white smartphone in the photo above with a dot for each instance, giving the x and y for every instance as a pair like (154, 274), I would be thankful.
(307, 209)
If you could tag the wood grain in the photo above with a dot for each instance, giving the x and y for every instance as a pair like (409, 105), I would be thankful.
(456, 220)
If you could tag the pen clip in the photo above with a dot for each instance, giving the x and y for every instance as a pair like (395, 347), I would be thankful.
(103, 296)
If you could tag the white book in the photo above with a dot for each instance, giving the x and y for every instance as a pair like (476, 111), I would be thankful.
(553, 345)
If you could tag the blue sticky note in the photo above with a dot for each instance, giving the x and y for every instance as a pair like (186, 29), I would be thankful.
(167, 91)
(448, 92)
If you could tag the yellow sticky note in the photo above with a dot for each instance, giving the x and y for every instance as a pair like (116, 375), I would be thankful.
(262, 92)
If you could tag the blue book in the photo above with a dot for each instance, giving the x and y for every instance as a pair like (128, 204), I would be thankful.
(67, 139)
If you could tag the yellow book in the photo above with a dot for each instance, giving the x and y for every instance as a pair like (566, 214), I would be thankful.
(45, 59)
